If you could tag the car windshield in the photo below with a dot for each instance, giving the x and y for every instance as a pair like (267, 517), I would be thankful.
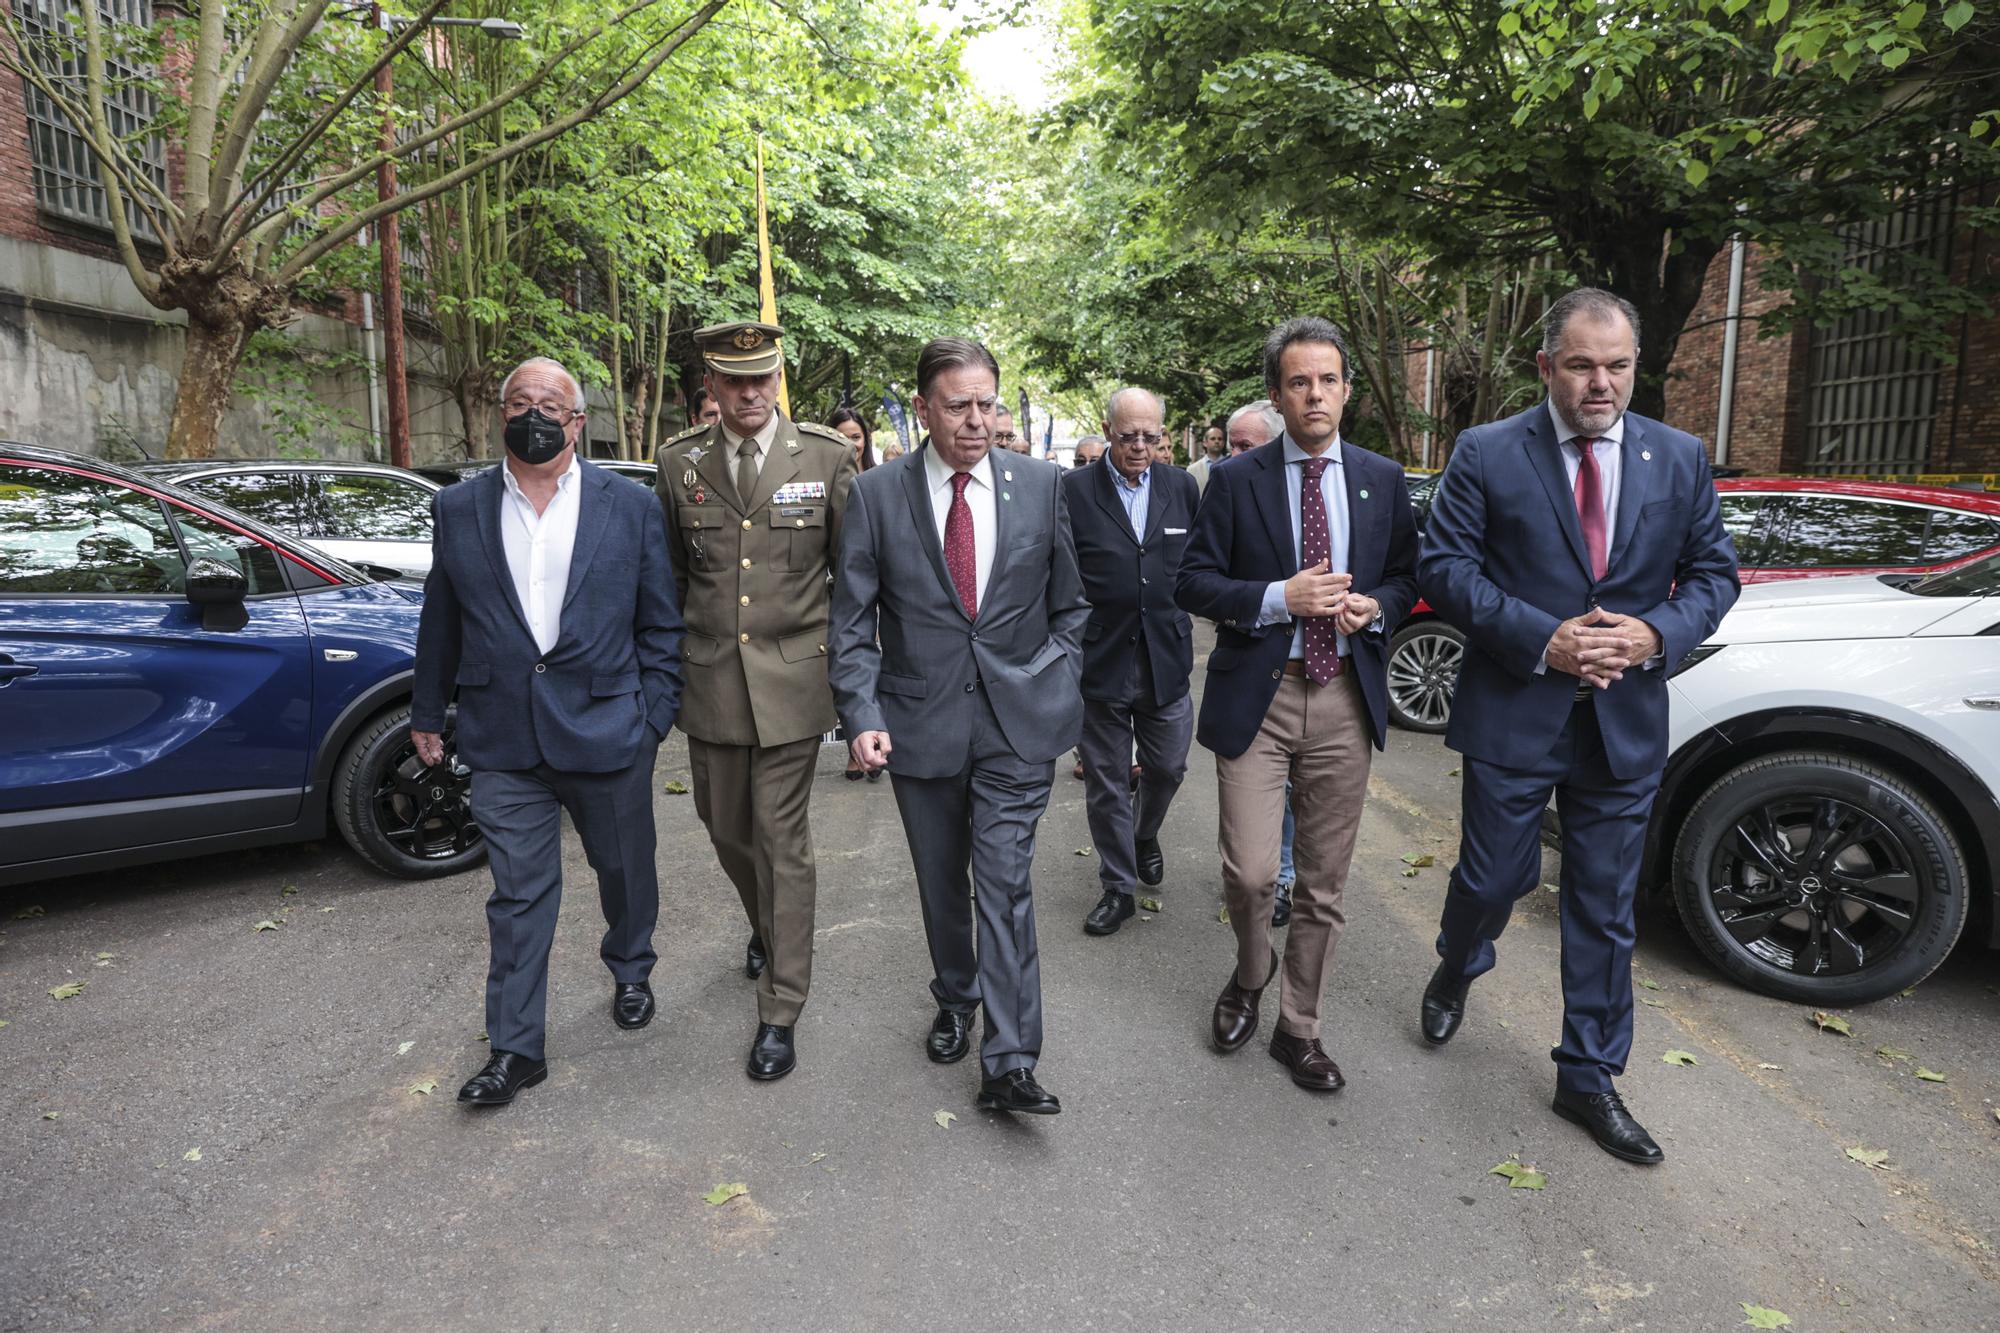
(1981, 578)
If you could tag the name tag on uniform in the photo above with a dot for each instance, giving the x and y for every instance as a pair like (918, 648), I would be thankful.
(1177, 532)
(798, 511)
(794, 491)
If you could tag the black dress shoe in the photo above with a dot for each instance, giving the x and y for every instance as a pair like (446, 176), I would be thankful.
(1236, 1010)
(1016, 1090)
(771, 1054)
(1113, 910)
(754, 958)
(1152, 865)
(1605, 1116)
(1444, 1006)
(504, 1075)
(1281, 907)
(632, 1004)
(951, 1037)
(1312, 1068)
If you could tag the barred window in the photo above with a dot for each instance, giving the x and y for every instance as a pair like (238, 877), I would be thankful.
(65, 169)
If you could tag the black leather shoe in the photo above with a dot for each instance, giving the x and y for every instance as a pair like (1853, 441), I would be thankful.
(632, 1004)
(1605, 1116)
(1281, 906)
(504, 1075)
(1016, 1090)
(1236, 1010)
(1113, 910)
(1444, 1006)
(1152, 865)
(951, 1037)
(771, 1054)
(754, 958)
(1311, 1067)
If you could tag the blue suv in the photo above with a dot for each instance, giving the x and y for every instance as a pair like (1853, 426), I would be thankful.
(176, 678)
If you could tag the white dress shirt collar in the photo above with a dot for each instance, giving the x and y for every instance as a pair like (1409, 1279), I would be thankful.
(939, 473)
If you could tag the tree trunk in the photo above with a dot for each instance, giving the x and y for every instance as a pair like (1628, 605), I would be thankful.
(478, 403)
(207, 384)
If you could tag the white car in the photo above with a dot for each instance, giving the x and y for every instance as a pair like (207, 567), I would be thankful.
(1829, 821)
(368, 514)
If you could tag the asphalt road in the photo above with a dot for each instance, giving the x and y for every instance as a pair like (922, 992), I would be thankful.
(223, 1129)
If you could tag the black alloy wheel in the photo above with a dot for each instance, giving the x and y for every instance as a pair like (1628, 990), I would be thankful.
(1820, 878)
(404, 817)
(1424, 659)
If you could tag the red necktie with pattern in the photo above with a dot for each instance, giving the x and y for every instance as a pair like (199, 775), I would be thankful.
(1590, 505)
(961, 556)
(1322, 641)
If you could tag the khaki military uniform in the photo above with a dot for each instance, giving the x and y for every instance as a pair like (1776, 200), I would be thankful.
(754, 580)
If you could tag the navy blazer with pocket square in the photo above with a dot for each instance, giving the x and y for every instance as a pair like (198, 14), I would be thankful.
(1129, 580)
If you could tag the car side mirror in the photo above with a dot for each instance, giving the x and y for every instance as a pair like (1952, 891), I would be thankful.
(210, 582)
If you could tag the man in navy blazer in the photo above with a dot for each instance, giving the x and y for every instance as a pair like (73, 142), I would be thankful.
(1304, 554)
(1580, 549)
(1130, 517)
(550, 606)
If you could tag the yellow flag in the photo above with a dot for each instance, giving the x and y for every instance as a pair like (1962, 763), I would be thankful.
(767, 293)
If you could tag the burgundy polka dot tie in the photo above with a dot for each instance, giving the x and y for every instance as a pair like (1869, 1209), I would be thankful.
(960, 553)
(1322, 642)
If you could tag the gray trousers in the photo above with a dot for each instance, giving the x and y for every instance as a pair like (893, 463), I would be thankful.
(1111, 731)
(520, 812)
(982, 821)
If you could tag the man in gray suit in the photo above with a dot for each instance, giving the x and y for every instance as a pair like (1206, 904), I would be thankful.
(958, 613)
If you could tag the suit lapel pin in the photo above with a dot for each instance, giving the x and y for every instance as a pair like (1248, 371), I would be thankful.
(1006, 476)
(1364, 495)
(1646, 454)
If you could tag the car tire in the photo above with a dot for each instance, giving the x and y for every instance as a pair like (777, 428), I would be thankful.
(400, 817)
(1867, 908)
(1424, 659)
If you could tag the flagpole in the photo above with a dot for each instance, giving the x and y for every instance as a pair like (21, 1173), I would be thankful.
(766, 290)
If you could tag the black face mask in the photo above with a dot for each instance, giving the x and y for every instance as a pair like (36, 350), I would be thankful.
(534, 438)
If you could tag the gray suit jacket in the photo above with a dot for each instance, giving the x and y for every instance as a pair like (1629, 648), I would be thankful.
(906, 658)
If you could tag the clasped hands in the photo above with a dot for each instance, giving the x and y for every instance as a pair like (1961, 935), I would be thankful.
(1598, 646)
(1316, 594)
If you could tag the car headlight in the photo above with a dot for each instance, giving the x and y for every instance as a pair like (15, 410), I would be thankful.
(1696, 658)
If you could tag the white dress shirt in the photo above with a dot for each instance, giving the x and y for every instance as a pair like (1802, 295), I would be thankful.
(538, 549)
(764, 437)
(979, 498)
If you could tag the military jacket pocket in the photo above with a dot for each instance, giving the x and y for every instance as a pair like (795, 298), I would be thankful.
(804, 536)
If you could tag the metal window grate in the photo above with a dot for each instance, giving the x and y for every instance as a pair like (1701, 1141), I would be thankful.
(65, 169)
(1871, 398)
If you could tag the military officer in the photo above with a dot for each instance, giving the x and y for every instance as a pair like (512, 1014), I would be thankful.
(753, 504)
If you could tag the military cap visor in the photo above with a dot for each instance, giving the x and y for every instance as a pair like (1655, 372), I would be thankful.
(746, 348)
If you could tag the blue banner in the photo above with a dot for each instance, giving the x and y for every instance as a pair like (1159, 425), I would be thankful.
(896, 418)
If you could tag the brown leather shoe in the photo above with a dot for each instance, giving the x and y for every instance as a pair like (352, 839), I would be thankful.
(1236, 1011)
(1312, 1068)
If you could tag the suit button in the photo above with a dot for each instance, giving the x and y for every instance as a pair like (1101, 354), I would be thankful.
(801, 522)
(746, 564)
(968, 687)
(743, 638)
(1142, 551)
(743, 601)
(746, 525)
(1131, 638)
(1143, 580)
(1276, 675)
(540, 668)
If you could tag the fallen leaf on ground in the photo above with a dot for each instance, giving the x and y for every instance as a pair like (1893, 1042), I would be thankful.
(69, 990)
(484, 1037)
(1420, 860)
(1222, 915)
(103, 957)
(1505, 1024)
(944, 1119)
(1892, 1053)
(815, 1159)
(1553, 888)
(425, 1088)
(1656, 1004)
(3, 1022)
(1996, 1110)
(1929, 1075)
(264, 925)
(326, 909)
(1145, 918)
(27, 912)
(1770, 1066)
(724, 1193)
(288, 890)
(1649, 983)
(1519, 1177)
(1152, 905)
(1826, 1022)
(1875, 1157)
(1452, 774)
(1679, 1058)
(1083, 851)
(1908, 993)
(52, 1115)
(676, 788)
(405, 1047)
(191, 1155)
(1408, 874)
(1759, 1316)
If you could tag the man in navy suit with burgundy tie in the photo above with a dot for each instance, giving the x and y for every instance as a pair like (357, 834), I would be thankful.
(1580, 549)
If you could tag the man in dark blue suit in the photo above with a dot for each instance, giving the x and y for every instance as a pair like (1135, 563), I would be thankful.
(1129, 516)
(1304, 554)
(550, 606)
(1580, 549)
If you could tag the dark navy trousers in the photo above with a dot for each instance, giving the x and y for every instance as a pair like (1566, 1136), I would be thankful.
(1500, 861)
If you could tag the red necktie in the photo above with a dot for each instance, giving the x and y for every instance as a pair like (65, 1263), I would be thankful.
(961, 554)
(1590, 505)
(1322, 638)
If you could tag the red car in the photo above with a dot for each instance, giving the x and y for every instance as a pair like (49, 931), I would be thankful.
(1784, 528)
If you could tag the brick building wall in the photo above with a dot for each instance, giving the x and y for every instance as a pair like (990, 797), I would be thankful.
(1764, 417)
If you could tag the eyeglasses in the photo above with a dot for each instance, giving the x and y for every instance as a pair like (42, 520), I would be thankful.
(1149, 438)
(1005, 437)
(548, 407)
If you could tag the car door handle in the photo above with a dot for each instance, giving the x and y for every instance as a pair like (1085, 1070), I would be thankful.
(11, 671)
(1990, 701)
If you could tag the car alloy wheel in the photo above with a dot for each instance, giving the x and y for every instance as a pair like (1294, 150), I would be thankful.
(1424, 659)
(405, 817)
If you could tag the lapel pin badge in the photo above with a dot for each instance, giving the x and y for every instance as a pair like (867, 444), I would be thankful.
(1006, 495)
(1646, 454)
(1006, 476)
(1364, 495)
(695, 454)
